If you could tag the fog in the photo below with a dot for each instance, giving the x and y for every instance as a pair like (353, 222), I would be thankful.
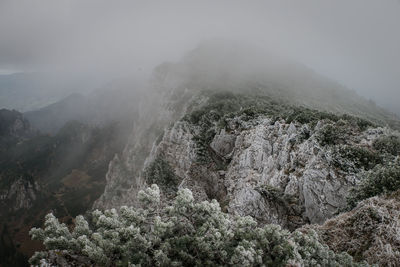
(355, 42)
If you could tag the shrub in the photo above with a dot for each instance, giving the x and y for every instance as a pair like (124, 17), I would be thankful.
(369, 232)
(331, 134)
(184, 233)
(160, 172)
(305, 115)
(220, 107)
(277, 195)
(353, 157)
(388, 144)
(380, 180)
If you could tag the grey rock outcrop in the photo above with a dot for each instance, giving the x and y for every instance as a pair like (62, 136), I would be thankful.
(124, 176)
(266, 154)
(272, 171)
(20, 195)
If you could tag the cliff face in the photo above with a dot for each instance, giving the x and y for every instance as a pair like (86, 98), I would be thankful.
(157, 111)
(276, 169)
(39, 174)
(244, 130)
(21, 194)
(13, 129)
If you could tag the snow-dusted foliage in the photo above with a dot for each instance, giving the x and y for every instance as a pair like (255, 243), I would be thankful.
(382, 179)
(184, 233)
(371, 231)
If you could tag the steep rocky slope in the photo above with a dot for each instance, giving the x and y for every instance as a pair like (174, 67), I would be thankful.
(244, 121)
(63, 173)
(275, 167)
(282, 152)
(13, 128)
(263, 136)
(370, 231)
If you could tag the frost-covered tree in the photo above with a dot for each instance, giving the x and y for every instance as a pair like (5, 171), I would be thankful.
(181, 233)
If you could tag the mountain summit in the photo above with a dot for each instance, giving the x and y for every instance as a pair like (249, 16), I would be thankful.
(234, 155)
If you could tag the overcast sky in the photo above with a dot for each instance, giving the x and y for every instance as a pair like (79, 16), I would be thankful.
(355, 42)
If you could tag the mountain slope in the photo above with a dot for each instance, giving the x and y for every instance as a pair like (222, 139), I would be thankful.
(271, 86)
(39, 173)
(264, 136)
(26, 91)
(240, 68)
(284, 145)
(100, 107)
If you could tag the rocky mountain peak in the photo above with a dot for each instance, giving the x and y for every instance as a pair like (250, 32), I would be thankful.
(13, 124)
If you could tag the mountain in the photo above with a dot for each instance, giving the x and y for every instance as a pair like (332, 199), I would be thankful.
(265, 137)
(117, 101)
(26, 91)
(46, 153)
(13, 127)
(63, 173)
(240, 68)
(271, 140)
(51, 118)
(236, 77)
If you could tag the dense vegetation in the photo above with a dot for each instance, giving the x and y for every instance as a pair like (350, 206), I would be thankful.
(161, 173)
(222, 107)
(388, 144)
(184, 233)
(353, 158)
(379, 167)
(380, 180)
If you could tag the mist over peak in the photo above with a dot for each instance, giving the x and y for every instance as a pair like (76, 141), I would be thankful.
(220, 65)
(353, 42)
(217, 128)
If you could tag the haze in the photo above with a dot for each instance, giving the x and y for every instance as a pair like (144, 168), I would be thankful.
(355, 42)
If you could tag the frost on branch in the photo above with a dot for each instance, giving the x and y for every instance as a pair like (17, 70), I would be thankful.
(184, 233)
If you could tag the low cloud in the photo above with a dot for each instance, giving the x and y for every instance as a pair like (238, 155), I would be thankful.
(355, 42)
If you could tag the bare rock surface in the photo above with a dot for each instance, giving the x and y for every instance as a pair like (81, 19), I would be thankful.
(275, 171)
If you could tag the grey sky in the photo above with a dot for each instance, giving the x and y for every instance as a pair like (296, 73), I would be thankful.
(355, 42)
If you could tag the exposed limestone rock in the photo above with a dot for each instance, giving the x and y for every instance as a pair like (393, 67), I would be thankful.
(124, 177)
(276, 171)
(264, 153)
(223, 144)
(20, 194)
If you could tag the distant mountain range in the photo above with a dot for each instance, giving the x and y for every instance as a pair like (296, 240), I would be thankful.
(29, 91)
(97, 108)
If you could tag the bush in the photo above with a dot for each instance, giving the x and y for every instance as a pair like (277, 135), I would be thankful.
(331, 134)
(210, 118)
(184, 233)
(368, 232)
(305, 115)
(388, 144)
(160, 172)
(277, 195)
(380, 180)
(353, 157)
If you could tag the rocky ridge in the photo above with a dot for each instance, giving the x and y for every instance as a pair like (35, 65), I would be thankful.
(282, 153)
(276, 170)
